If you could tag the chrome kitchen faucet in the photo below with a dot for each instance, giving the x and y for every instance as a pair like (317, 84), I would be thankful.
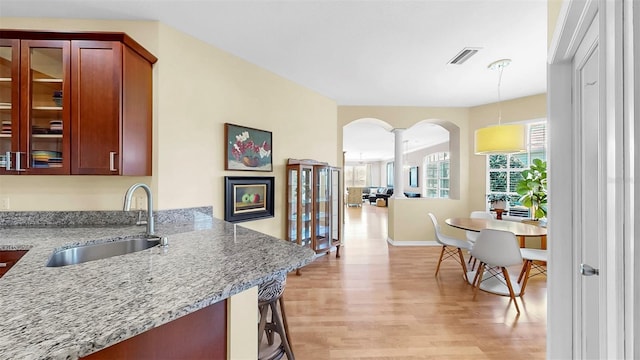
(127, 204)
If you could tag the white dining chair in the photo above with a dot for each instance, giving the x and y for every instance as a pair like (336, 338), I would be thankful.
(532, 260)
(451, 247)
(496, 250)
(473, 235)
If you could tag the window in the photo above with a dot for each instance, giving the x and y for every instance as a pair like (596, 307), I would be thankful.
(437, 175)
(504, 171)
(355, 176)
(390, 174)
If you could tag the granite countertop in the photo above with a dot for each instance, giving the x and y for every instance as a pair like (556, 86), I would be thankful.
(71, 311)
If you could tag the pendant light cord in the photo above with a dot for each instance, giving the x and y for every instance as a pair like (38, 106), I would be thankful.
(499, 98)
(499, 65)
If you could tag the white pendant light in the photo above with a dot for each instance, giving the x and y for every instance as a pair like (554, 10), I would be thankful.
(500, 139)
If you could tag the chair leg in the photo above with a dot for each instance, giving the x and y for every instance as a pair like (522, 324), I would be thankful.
(523, 270)
(477, 279)
(264, 309)
(511, 293)
(440, 260)
(277, 319)
(284, 321)
(472, 262)
(525, 276)
(464, 266)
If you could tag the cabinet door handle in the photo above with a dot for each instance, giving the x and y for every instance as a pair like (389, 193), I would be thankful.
(112, 161)
(18, 168)
(7, 160)
(3, 264)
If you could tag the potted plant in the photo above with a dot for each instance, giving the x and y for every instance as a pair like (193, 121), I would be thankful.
(533, 189)
(498, 201)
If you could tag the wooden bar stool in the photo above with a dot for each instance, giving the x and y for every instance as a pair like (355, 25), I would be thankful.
(273, 320)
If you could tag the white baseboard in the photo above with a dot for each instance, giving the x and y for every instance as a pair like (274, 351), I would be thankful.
(413, 243)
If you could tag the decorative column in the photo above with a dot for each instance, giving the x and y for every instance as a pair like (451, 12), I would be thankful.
(398, 165)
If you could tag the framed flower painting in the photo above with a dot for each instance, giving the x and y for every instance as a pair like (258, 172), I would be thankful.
(247, 148)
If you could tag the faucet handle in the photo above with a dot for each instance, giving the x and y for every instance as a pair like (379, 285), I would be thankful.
(140, 220)
(164, 241)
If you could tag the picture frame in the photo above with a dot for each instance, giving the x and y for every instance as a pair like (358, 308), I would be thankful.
(413, 176)
(248, 198)
(247, 148)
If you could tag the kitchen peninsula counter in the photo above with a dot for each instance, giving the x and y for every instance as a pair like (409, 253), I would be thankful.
(72, 311)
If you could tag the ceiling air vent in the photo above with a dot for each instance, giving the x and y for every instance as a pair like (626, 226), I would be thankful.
(463, 56)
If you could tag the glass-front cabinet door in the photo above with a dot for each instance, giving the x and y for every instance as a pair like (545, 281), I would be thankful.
(335, 209)
(9, 101)
(45, 106)
(322, 209)
(299, 204)
(306, 202)
(292, 204)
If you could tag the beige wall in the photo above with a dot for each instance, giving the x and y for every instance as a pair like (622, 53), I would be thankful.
(408, 220)
(197, 88)
(242, 317)
(206, 88)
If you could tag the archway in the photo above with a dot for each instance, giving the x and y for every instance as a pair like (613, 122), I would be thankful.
(368, 141)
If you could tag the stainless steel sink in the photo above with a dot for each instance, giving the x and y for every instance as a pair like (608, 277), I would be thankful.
(84, 253)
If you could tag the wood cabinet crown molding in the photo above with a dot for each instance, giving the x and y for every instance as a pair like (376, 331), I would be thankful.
(68, 35)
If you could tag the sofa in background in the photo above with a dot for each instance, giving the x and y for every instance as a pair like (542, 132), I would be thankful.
(380, 193)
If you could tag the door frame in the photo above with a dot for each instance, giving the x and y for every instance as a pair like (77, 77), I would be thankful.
(618, 292)
(631, 71)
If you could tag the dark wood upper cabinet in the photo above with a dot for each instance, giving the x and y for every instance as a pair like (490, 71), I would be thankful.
(84, 100)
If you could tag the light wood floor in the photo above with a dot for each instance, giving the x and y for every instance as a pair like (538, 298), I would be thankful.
(383, 302)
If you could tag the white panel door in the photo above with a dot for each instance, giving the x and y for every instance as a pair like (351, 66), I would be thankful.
(591, 200)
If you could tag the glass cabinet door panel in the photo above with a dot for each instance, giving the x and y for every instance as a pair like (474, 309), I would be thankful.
(306, 202)
(9, 99)
(335, 205)
(322, 210)
(292, 205)
(47, 109)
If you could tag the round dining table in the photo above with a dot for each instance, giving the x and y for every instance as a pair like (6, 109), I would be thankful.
(493, 283)
(521, 230)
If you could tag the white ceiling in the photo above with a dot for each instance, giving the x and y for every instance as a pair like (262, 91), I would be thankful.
(389, 52)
